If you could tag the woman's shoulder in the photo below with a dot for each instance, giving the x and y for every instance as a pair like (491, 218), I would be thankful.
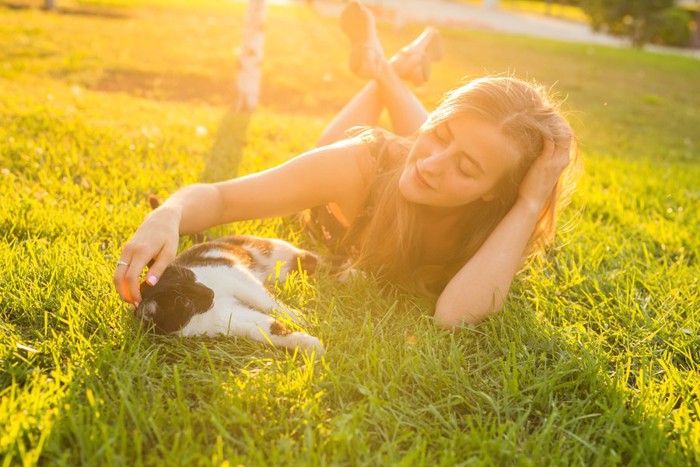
(381, 148)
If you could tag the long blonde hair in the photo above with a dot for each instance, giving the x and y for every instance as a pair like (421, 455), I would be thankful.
(392, 242)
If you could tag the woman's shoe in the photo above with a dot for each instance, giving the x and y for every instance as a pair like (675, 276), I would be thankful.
(413, 62)
(366, 54)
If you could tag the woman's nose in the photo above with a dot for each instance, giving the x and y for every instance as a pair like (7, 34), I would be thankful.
(436, 162)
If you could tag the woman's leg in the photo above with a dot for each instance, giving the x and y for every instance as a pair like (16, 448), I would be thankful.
(364, 109)
(406, 112)
(386, 90)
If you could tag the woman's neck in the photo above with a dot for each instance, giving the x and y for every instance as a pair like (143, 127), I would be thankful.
(440, 232)
(444, 217)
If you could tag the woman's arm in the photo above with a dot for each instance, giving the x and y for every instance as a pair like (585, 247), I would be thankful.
(480, 287)
(333, 173)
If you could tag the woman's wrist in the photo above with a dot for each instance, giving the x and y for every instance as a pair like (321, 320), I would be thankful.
(529, 206)
(169, 215)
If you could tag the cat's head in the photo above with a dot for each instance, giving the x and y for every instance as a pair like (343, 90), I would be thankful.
(174, 300)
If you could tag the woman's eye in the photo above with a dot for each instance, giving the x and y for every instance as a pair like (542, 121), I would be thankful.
(441, 134)
(464, 170)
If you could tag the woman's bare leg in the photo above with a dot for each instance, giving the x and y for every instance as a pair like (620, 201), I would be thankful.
(386, 89)
(406, 112)
(364, 109)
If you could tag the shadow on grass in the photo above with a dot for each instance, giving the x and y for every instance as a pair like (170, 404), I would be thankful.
(225, 155)
(178, 87)
(217, 89)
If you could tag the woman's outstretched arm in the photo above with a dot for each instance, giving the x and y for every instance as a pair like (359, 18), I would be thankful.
(481, 286)
(334, 173)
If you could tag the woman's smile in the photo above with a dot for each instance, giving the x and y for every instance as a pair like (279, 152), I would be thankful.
(420, 180)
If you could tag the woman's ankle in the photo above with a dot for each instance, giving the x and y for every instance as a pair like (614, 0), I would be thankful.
(413, 62)
(387, 76)
(366, 52)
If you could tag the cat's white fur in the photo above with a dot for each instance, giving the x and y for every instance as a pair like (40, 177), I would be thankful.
(242, 305)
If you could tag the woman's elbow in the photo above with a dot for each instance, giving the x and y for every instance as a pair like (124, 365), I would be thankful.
(453, 317)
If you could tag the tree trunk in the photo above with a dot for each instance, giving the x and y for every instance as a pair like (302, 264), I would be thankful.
(250, 57)
(49, 4)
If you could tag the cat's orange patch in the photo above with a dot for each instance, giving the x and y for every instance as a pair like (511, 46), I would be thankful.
(278, 329)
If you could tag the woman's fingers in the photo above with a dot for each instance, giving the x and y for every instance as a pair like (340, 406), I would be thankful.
(119, 277)
(133, 274)
(124, 265)
(162, 260)
(134, 259)
(542, 176)
(126, 276)
(557, 152)
(563, 151)
(548, 148)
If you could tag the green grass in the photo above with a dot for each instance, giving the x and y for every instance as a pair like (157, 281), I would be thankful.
(594, 359)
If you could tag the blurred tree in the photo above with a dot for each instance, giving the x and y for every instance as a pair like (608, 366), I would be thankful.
(672, 27)
(631, 18)
(250, 57)
(693, 7)
(49, 4)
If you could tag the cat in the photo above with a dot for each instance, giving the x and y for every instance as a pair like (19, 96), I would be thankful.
(217, 287)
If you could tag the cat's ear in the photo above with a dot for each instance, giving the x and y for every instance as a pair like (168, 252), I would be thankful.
(147, 310)
(153, 201)
(146, 289)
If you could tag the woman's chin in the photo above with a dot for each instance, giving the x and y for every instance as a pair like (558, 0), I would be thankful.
(407, 190)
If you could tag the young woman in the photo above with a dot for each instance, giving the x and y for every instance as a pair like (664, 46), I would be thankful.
(452, 203)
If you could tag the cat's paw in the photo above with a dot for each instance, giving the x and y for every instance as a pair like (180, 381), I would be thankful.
(281, 336)
(310, 345)
(350, 274)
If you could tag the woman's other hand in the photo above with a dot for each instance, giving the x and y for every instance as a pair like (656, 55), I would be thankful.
(542, 176)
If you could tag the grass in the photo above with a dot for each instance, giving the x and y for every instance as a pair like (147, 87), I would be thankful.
(594, 359)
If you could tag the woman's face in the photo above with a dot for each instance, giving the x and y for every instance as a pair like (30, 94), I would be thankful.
(456, 163)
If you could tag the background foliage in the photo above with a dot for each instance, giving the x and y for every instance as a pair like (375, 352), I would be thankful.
(641, 20)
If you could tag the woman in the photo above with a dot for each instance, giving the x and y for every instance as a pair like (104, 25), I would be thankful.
(453, 202)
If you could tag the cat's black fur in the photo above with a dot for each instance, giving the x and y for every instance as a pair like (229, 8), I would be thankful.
(181, 295)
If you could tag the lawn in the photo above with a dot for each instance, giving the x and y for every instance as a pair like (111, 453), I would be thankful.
(594, 359)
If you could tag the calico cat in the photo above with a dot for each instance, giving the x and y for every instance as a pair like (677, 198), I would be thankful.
(217, 287)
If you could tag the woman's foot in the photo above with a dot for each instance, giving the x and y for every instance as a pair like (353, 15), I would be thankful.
(366, 54)
(413, 61)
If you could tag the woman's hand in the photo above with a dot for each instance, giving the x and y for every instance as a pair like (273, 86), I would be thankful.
(543, 174)
(156, 239)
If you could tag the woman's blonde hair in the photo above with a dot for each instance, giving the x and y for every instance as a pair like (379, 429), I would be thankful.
(392, 240)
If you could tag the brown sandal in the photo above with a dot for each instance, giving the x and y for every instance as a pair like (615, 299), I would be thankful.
(413, 62)
(366, 54)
